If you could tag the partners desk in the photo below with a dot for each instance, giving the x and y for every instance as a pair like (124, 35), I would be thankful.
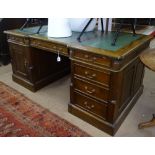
(106, 80)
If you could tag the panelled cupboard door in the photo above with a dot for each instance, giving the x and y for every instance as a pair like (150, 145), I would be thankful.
(19, 59)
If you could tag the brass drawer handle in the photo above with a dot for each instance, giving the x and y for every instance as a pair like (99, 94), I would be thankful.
(87, 106)
(36, 43)
(90, 76)
(85, 103)
(86, 72)
(94, 58)
(103, 57)
(94, 75)
(89, 91)
(90, 58)
(86, 56)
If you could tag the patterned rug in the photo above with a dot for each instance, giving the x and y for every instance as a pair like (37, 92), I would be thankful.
(19, 116)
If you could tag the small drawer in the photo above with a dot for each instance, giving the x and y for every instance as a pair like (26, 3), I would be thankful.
(18, 40)
(49, 46)
(91, 89)
(91, 58)
(90, 105)
(102, 77)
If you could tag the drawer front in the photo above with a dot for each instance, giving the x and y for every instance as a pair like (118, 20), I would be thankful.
(49, 46)
(92, 58)
(91, 90)
(90, 105)
(102, 77)
(18, 39)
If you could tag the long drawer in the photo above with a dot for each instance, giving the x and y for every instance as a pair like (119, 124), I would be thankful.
(90, 105)
(91, 58)
(91, 89)
(102, 77)
(49, 46)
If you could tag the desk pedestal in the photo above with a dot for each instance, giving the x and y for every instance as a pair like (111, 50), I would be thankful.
(101, 93)
(34, 68)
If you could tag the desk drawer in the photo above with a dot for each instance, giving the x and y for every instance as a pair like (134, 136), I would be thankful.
(102, 77)
(91, 89)
(18, 39)
(92, 58)
(90, 105)
(49, 46)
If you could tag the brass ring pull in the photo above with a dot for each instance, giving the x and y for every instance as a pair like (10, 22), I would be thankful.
(87, 106)
(90, 76)
(86, 72)
(86, 56)
(89, 91)
(94, 58)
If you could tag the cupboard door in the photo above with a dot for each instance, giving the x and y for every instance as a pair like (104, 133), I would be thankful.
(19, 60)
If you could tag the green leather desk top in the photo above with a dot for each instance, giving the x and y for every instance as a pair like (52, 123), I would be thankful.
(92, 41)
(104, 42)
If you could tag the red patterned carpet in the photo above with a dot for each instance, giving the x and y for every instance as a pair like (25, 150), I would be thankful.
(19, 116)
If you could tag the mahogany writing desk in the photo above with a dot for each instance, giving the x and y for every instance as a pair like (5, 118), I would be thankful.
(106, 80)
